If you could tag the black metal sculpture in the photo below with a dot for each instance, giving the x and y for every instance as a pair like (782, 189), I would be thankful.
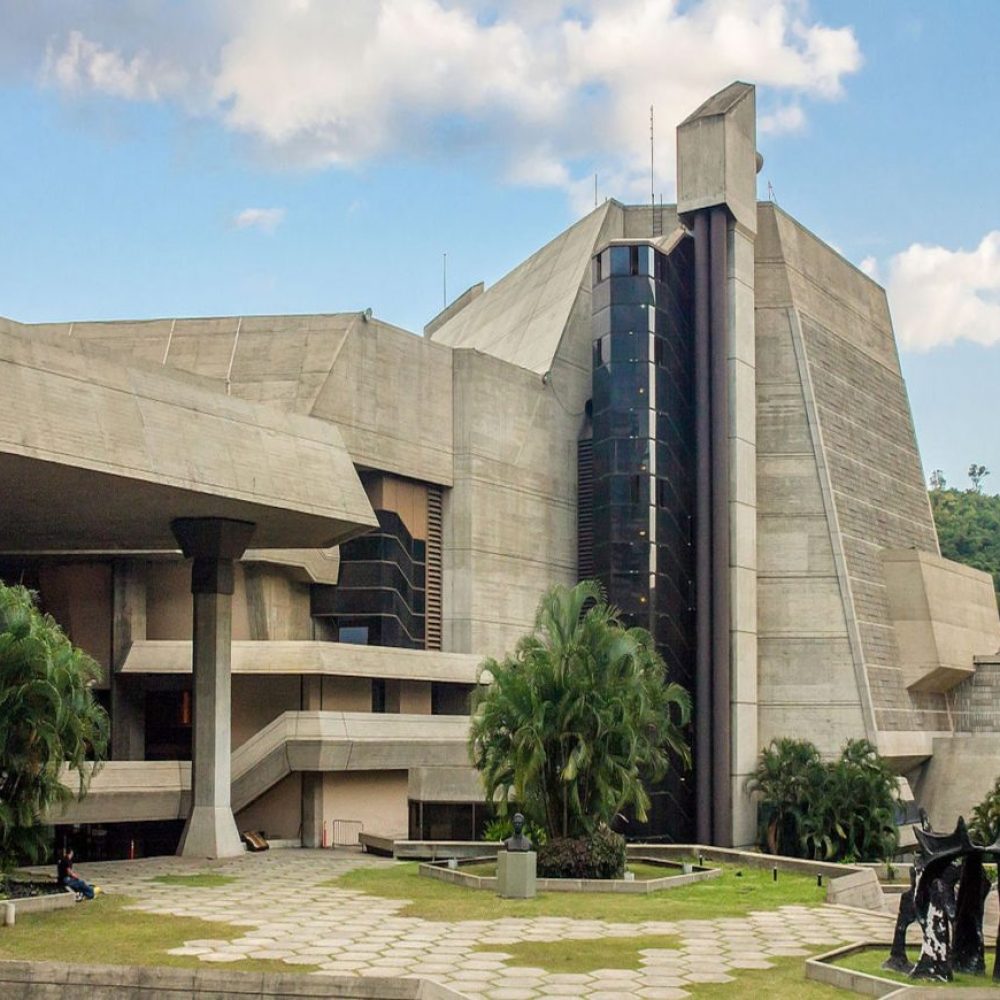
(951, 923)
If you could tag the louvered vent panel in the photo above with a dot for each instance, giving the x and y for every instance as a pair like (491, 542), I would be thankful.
(585, 509)
(433, 579)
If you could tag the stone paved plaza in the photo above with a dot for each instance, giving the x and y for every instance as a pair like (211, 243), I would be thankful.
(291, 916)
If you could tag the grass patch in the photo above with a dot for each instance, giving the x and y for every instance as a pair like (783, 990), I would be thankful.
(582, 956)
(103, 932)
(204, 880)
(785, 981)
(736, 892)
(484, 869)
(870, 961)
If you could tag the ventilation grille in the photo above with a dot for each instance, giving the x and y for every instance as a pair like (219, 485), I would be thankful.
(433, 578)
(585, 569)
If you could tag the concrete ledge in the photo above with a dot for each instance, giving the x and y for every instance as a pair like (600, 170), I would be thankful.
(441, 850)
(47, 980)
(374, 843)
(752, 859)
(41, 904)
(821, 970)
(860, 889)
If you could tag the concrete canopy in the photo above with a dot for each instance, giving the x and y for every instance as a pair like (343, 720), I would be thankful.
(96, 455)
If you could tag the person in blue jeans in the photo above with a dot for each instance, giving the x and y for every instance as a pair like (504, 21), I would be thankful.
(67, 877)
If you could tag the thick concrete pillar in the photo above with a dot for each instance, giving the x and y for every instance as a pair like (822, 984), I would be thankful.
(213, 544)
(312, 808)
(716, 175)
(128, 694)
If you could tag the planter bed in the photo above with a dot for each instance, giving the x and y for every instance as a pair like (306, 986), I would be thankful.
(15, 889)
(673, 877)
(834, 969)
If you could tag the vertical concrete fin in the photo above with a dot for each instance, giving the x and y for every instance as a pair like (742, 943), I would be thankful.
(717, 156)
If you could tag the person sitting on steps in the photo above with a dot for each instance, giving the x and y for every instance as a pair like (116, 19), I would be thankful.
(69, 879)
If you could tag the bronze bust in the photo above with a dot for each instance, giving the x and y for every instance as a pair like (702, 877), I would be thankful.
(519, 842)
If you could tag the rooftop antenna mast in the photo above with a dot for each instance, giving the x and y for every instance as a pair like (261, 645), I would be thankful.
(652, 176)
(652, 195)
(444, 280)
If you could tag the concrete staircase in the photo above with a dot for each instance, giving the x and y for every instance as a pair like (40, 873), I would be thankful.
(133, 791)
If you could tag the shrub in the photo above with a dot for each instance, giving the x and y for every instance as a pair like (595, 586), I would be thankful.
(601, 855)
(51, 726)
(985, 822)
(502, 827)
(789, 773)
(579, 719)
(836, 810)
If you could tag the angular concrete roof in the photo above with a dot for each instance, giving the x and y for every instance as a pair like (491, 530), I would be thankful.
(387, 390)
(100, 455)
(722, 102)
(522, 317)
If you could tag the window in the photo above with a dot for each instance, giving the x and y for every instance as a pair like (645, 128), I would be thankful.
(357, 635)
(602, 351)
(378, 694)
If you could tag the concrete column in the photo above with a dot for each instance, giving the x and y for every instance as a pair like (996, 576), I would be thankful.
(312, 808)
(716, 169)
(742, 374)
(128, 694)
(213, 544)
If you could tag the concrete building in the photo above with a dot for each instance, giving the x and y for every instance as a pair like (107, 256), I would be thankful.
(700, 404)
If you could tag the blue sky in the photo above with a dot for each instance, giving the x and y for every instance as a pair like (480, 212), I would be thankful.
(278, 156)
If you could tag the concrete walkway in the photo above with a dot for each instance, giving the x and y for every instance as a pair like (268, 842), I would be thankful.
(290, 916)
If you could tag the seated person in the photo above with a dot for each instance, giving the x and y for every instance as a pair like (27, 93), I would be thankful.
(67, 877)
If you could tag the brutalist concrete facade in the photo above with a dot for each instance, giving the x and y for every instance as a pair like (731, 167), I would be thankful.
(819, 600)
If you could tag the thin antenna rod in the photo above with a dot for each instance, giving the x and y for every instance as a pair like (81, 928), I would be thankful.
(444, 280)
(652, 184)
(595, 190)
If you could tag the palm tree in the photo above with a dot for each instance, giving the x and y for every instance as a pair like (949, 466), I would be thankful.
(49, 720)
(788, 775)
(579, 718)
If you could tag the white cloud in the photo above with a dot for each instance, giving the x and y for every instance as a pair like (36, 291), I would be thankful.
(939, 295)
(790, 118)
(554, 91)
(265, 219)
(870, 266)
(83, 65)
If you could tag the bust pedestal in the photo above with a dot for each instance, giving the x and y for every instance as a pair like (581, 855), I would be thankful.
(516, 874)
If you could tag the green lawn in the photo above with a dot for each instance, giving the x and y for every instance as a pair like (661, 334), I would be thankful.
(735, 893)
(785, 981)
(582, 956)
(103, 932)
(870, 961)
(204, 880)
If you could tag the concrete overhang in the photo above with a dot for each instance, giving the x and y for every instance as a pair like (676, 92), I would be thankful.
(665, 244)
(173, 656)
(96, 455)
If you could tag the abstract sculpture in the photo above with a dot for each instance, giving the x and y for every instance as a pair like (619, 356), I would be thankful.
(947, 894)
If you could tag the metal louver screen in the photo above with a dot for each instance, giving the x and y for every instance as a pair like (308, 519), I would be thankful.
(432, 631)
